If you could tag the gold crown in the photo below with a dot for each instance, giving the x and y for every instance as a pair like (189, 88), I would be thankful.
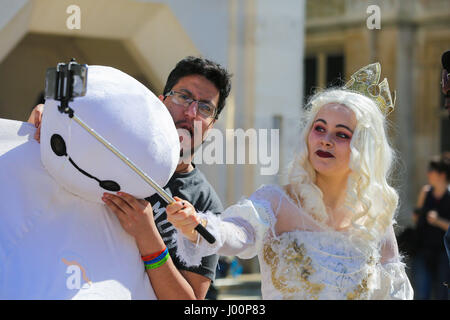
(365, 82)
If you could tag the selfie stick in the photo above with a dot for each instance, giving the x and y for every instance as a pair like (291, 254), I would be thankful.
(200, 229)
(66, 109)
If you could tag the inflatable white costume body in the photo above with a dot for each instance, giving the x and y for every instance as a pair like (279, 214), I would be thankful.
(57, 238)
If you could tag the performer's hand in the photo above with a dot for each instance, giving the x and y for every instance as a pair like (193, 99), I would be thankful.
(135, 215)
(36, 119)
(182, 215)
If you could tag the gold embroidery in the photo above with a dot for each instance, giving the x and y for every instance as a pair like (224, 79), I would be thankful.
(362, 289)
(297, 268)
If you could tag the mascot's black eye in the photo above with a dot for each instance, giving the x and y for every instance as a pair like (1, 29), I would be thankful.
(109, 185)
(58, 145)
(59, 148)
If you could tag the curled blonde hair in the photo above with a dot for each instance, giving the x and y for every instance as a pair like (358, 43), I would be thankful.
(369, 195)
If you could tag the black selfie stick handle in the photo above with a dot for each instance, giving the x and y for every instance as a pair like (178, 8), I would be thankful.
(205, 233)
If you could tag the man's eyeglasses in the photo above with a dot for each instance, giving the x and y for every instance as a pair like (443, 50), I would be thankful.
(206, 110)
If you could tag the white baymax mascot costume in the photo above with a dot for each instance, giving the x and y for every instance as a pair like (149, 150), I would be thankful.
(57, 238)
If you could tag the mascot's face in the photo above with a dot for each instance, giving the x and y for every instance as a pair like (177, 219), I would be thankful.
(127, 115)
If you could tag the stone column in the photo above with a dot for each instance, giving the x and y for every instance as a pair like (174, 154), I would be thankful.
(404, 109)
(266, 59)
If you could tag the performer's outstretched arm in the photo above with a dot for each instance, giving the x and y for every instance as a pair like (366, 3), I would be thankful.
(238, 230)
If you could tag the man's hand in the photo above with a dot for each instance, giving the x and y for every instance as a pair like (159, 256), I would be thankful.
(36, 119)
(135, 215)
(182, 215)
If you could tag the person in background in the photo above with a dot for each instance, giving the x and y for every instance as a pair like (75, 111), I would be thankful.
(432, 219)
(445, 86)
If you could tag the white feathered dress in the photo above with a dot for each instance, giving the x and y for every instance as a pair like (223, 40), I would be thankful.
(299, 257)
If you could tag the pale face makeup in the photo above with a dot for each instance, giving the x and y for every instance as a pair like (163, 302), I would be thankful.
(329, 140)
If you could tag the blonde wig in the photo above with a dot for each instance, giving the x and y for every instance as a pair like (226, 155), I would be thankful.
(370, 198)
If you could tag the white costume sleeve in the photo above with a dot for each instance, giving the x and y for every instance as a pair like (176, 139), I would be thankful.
(239, 231)
(393, 283)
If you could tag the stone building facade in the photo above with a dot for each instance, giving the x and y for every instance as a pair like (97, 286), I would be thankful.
(342, 36)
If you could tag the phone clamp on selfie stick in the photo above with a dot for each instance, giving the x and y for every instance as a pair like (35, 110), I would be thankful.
(68, 81)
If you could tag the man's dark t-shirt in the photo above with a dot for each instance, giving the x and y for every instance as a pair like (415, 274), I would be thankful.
(193, 187)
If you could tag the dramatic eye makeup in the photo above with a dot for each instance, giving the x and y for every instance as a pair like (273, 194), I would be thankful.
(320, 128)
(343, 135)
(345, 127)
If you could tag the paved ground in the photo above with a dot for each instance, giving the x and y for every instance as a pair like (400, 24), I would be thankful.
(243, 287)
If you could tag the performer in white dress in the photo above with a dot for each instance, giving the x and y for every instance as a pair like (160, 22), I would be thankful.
(329, 233)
